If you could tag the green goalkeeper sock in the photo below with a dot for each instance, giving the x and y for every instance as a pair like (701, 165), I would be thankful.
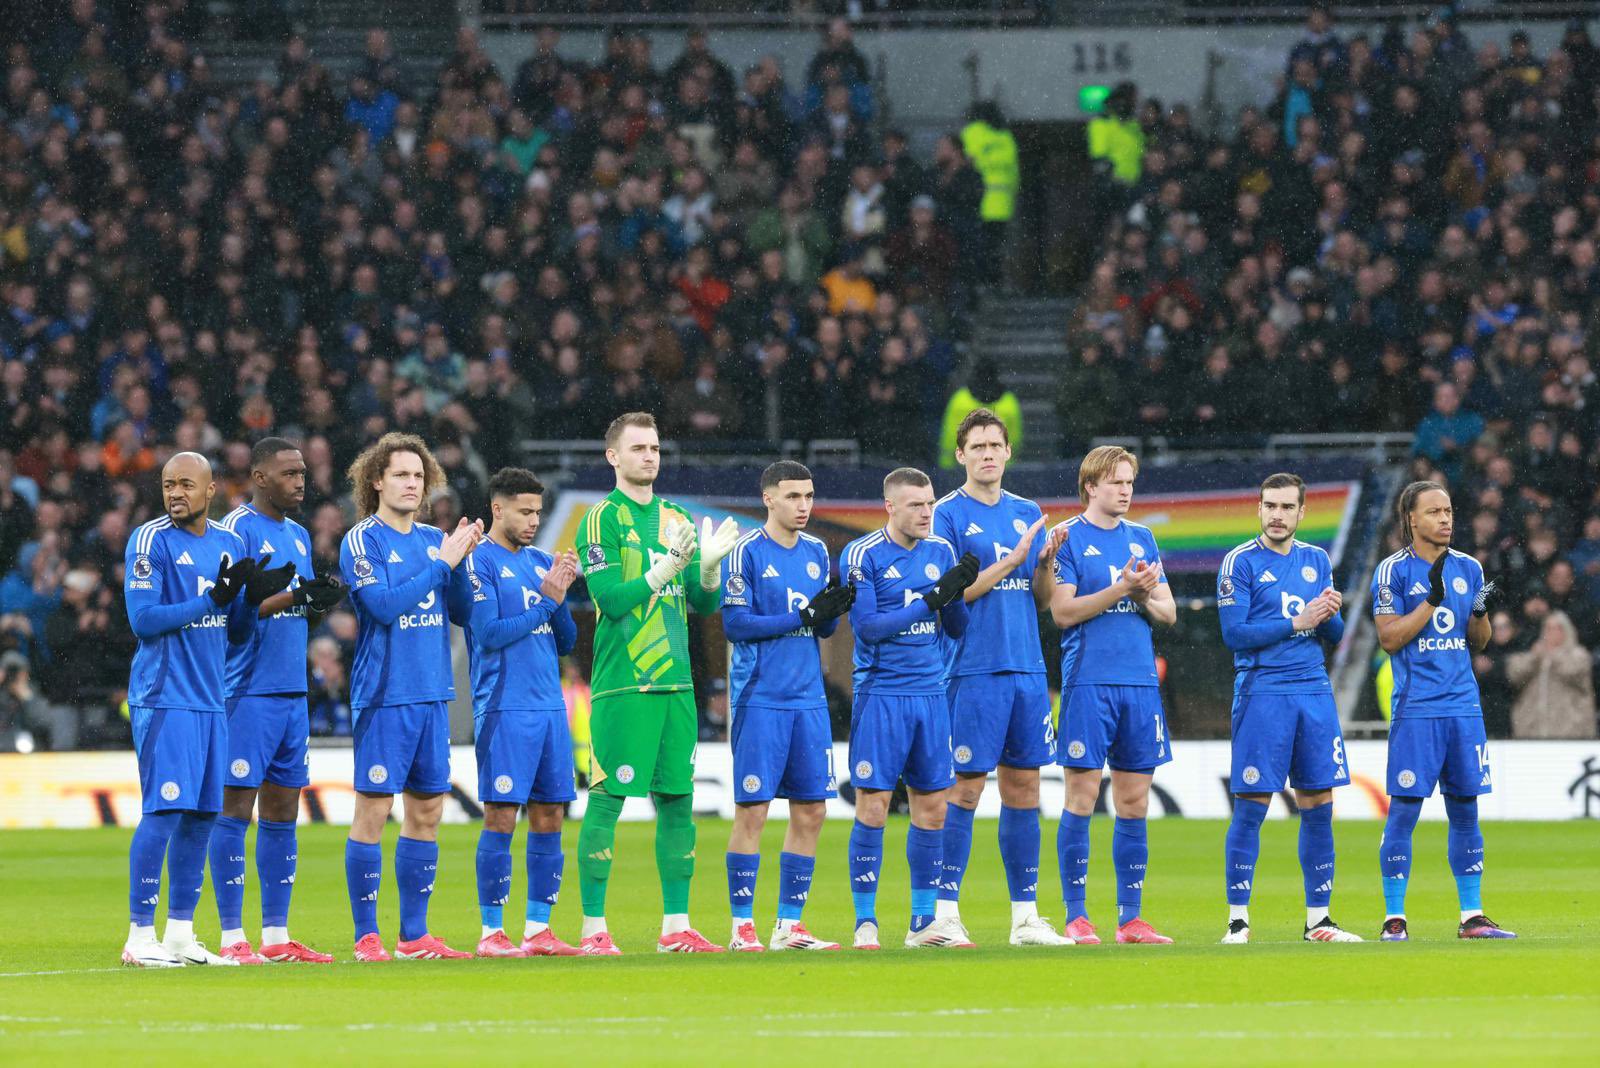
(674, 850)
(595, 838)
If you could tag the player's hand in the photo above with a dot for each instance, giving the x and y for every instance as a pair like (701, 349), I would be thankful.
(834, 601)
(715, 543)
(461, 541)
(680, 543)
(1016, 557)
(263, 582)
(1313, 615)
(560, 577)
(1335, 600)
(231, 578)
(952, 583)
(1487, 595)
(321, 593)
(1145, 578)
(1436, 580)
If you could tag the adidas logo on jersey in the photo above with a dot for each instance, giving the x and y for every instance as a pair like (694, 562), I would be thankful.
(505, 572)
(394, 557)
(743, 891)
(866, 877)
(770, 572)
(893, 572)
(184, 559)
(1245, 885)
(1418, 590)
(266, 547)
(973, 528)
(1338, 772)
(1268, 576)
(1091, 551)
(1325, 888)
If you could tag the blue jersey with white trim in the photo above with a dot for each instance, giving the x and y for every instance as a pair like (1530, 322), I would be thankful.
(1114, 648)
(1433, 675)
(516, 636)
(181, 658)
(1003, 634)
(762, 580)
(1257, 585)
(273, 661)
(888, 578)
(399, 587)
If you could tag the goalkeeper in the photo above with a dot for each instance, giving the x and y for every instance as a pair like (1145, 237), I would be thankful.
(645, 569)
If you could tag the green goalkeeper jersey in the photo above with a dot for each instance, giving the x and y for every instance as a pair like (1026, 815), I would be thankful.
(641, 638)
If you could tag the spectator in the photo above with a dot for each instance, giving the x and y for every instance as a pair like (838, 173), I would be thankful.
(983, 390)
(1555, 684)
(1445, 433)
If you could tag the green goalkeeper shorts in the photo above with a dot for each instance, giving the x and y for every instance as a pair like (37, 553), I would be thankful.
(644, 743)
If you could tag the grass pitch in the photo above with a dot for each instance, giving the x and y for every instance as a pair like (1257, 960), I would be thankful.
(63, 999)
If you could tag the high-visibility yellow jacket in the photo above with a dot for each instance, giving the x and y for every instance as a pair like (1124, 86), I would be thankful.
(1121, 142)
(994, 154)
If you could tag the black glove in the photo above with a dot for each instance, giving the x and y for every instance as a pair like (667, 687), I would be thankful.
(1487, 595)
(320, 593)
(1436, 580)
(231, 578)
(264, 583)
(834, 601)
(952, 583)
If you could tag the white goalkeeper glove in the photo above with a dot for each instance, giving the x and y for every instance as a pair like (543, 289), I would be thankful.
(715, 543)
(680, 549)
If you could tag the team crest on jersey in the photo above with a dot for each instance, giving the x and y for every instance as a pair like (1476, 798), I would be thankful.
(362, 567)
(169, 791)
(595, 556)
(1019, 526)
(963, 754)
(1308, 573)
(863, 769)
(1459, 585)
(736, 586)
(751, 783)
(503, 784)
(239, 768)
(625, 774)
(433, 552)
(814, 569)
(1136, 549)
(1250, 776)
(1407, 779)
(142, 568)
(1076, 749)
(1225, 586)
(931, 570)
(377, 775)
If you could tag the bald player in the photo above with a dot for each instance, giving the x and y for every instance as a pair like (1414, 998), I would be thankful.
(190, 590)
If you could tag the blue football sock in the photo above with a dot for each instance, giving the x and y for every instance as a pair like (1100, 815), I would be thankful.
(545, 864)
(1130, 856)
(1242, 848)
(416, 863)
(227, 869)
(1316, 854)
(794, 883)
(145, 856)
(1019, 851)
(363, 874)
(1072, 853)
(494, 876)
(922, 857)
(1394, 853)
(1464, 847)
(955, 850)
(277, 860)
(742, 869)
(866, 861)
(186, 863)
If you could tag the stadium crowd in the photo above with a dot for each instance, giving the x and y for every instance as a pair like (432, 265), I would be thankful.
(1404, 240)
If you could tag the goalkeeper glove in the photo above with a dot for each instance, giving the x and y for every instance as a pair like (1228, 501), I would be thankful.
(1488, 593)
(952, 583)
(263, 583)
(680, 548)
(231, 578)
(1436, 580)
(834, 601)
(715, 543)
(320, 593)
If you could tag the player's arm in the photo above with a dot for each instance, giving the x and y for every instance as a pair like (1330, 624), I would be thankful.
(1235, 584)
(494, 631)
(990, 576)
(600, 552)
(241, 620)
(1395, 631)
(565, 629)
(1044, 571)
(1160, 605)
(873, 626)
(1068, 609)
(385, 602)
(1479, 630)
(706, 599)
(954, 618)
(148, 617)
(458, 600)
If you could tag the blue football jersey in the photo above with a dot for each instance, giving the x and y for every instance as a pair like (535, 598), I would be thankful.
(181, 658)
(516, 636)
(1114, 647)
(888, 578)
(1003, 634)
(764, 586)
(1256, 585)
(273, 661)
(400, 588)
(1433, 671)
